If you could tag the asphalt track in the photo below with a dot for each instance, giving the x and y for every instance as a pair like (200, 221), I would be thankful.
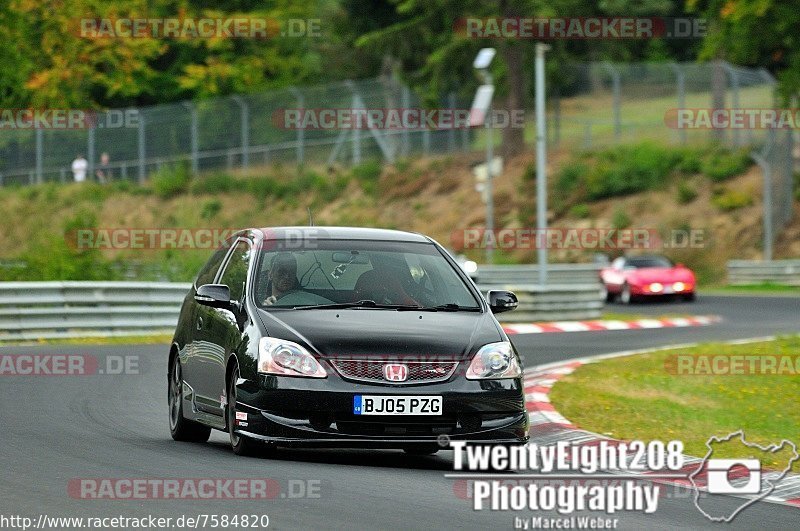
(55, 429)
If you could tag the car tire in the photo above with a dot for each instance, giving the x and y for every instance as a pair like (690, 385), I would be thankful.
(625, 296)
(181, 428)
(239, 444)
(607, 295)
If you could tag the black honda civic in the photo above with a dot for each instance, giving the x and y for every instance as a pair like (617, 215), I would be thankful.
(342, 337)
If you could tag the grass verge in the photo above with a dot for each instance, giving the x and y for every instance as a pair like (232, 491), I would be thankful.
(153, 339)
(636, 397)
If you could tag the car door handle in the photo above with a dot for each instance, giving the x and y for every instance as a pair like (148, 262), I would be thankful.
(199, 323)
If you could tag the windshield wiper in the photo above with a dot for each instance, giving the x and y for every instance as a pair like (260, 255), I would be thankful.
(358, 304)
(453, 307)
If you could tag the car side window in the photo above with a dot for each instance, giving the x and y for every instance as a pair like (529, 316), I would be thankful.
(209, 271)
(235, 274)
(619, 263)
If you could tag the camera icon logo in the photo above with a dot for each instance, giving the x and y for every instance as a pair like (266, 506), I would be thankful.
(722, 473)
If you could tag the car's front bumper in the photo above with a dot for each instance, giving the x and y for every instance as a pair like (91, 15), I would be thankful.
(319, 412)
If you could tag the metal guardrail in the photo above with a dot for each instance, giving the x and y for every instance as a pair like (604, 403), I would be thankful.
(46, 310)
(553, 302)
(742, 272)
(529, 274)
(43, 310)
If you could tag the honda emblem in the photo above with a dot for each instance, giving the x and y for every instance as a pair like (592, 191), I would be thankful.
(395, 372)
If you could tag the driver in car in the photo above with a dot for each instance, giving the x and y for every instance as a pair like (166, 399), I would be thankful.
(282, 276)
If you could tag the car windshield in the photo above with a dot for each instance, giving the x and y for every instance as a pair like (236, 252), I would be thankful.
(650, 261)
(358, 273)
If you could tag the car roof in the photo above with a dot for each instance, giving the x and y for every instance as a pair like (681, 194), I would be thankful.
(337, 233)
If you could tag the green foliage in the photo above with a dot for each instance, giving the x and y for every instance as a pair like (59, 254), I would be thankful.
(367, 174)
(722, 164)
(216, 183)
(210, 209)
(686, 193)
(581, 210)
(170, 181)
(620, 219)
(729, 200)
(570, 176)
(57, 256)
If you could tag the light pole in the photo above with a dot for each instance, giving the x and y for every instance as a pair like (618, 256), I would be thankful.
(541, 164)
(481, 64)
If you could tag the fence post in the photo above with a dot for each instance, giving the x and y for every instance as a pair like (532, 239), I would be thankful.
(680, 77)
(141, 148)
(39, 155)
(404, 150)
(766, 169)
(451, 135)
(615, 84)
(301, 138)
(195, 141)
(90, 149)
(734, 98)
(245, 130)
(356, 132)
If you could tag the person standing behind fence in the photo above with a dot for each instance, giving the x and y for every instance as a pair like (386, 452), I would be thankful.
(79, 167)
(103, 172)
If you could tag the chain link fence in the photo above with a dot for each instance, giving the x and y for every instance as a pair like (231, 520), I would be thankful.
(591, 105)
(601, 104)
(227, 133)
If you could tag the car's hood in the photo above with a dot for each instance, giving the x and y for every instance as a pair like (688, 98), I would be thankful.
(661, 274)
(389, 333)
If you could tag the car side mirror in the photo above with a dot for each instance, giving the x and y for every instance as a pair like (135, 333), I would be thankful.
(501, 301)
(214, 295)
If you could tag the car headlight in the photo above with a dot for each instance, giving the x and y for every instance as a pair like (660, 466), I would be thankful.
(656, 287)
(495, 360)
(679, 286)
(287, 358)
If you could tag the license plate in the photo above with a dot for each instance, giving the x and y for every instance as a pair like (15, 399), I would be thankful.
(397, 405)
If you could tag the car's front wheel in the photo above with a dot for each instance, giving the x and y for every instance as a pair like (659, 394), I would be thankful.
(181, 428)
(240, 445)
(625, 296)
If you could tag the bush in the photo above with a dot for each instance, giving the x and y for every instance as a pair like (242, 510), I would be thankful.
(722, 164)
(368, 174)
(570, 176)
(170, 181)
(217, 183)
(686, 193)
(620, 219)
(580, 210)
(691, 162)
(630, 169)
(211, 208)
(728, 200)
(261, 186)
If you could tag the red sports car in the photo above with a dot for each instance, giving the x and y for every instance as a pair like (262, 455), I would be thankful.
(635, 277)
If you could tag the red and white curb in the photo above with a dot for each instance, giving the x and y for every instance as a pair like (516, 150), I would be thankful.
(610, 324)
(548, 426)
